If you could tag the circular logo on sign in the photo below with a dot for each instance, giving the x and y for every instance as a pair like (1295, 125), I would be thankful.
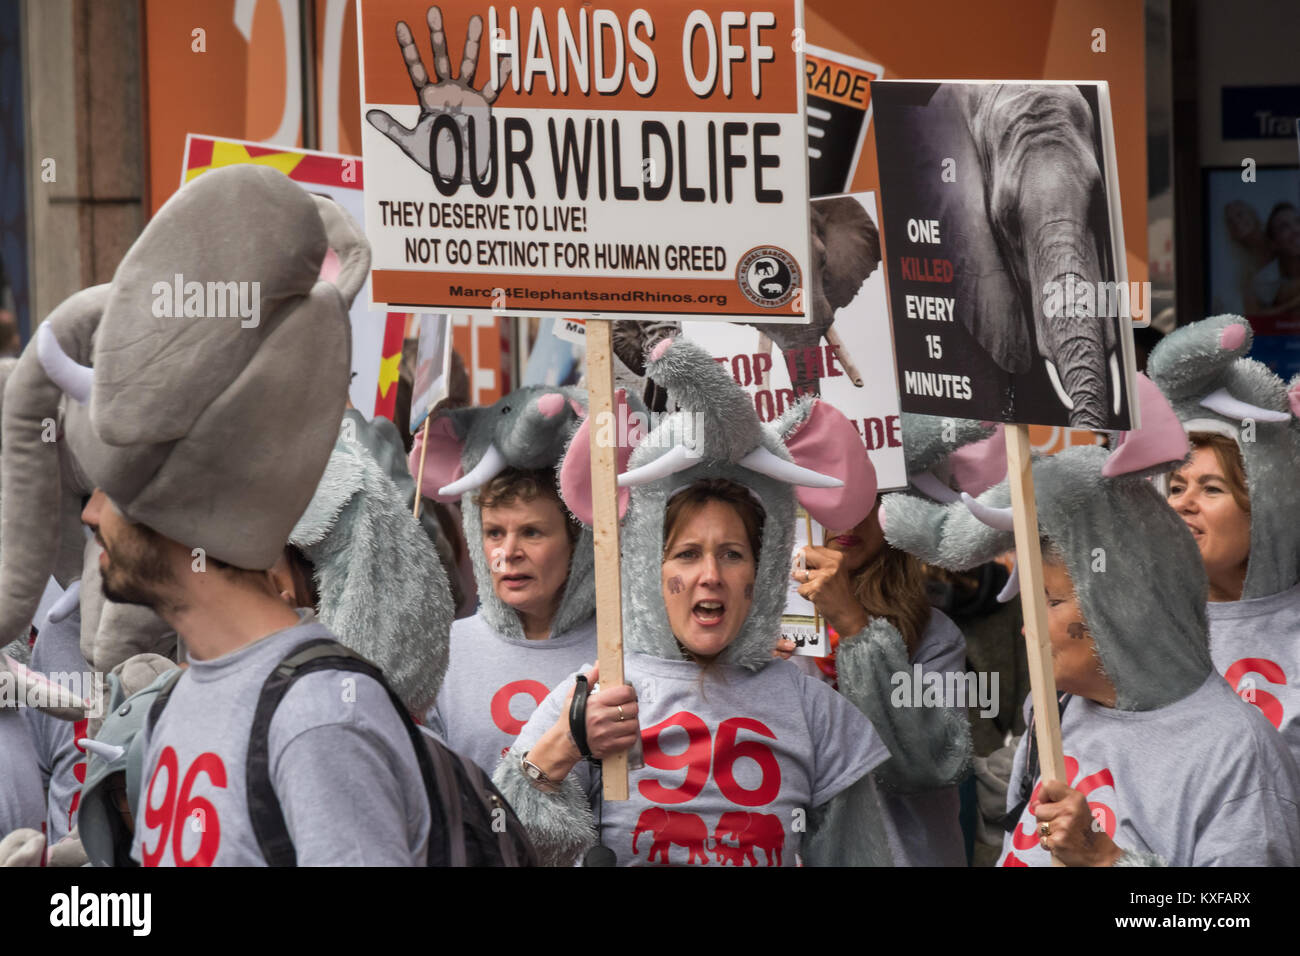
(768, 276)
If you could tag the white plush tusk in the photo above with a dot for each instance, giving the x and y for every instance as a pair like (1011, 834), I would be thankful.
(31, 683)
(999, 519)
(68, 602)
(678, 458)
(1056, 384)
(1012, 587)
(108, 752)
(1227, 406)
(928, 484)
(489, 466)
(73, 378)
(765, 463)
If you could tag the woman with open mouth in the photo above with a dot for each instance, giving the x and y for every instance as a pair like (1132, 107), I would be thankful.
(1239, 495)
(745, 760)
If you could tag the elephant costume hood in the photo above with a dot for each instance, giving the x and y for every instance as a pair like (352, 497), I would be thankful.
(1135, 567)
(468, 447)
(149, 398)
(382, 589)
(812, 454)
(944, 456)
(1212, 387)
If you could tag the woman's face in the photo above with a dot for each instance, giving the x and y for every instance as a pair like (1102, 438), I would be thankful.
(707, 579)
(1075, 664)
(1242, 220)
(860, 545)
(527, 547)
(1200, 494)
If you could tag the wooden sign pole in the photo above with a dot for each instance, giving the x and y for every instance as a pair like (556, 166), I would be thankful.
(1038, 641)
(604, 499)
(419, 479)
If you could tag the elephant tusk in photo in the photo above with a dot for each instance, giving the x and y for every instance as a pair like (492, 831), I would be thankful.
(489, 466)
(1056, 384)
(842, 353)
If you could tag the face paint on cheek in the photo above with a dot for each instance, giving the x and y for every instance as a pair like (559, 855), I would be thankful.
(1076, 631)
(675, 585)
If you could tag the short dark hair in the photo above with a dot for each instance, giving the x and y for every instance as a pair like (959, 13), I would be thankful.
(684, 504)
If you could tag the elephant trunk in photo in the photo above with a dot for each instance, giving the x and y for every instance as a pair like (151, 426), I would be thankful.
(1044, 188)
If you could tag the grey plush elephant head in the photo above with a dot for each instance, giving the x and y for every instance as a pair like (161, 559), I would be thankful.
(149, 401)
(1135, 567)
(1212, 387)
(812, 453)
(845, 251)
(383, 590)
(945, 456)
(468, 447)
(1031, 224)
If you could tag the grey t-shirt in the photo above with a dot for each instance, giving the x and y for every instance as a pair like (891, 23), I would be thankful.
(62, 763)
(341, 762)
(1204, 781)
(1256, 646)
(495, 682)
(22, 799)
(925, 828)
(734, 760)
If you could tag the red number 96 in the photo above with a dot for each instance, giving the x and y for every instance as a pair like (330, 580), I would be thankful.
(172, 807)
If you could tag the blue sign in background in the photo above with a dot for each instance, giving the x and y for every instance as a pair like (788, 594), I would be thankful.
(1260, 112)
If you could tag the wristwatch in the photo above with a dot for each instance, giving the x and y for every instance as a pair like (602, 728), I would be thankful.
(537, 777)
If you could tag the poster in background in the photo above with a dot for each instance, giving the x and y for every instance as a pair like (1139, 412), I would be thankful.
(800, 621)
(376, 339)
(858, 375)
(1252, 238)
(987, 324)
(616, 161)
(432, 367)
(838, 88)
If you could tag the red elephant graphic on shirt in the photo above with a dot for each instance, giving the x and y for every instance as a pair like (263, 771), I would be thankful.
(669, 827)
(1103, 816)
(748, 830)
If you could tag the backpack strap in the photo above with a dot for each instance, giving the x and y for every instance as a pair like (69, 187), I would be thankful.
(263, 806)
(164, 694)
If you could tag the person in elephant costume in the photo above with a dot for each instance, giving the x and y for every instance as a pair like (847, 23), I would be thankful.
(708, 508)
(533, 564)
(196, 489)
(1239, 493)
(1165, 766)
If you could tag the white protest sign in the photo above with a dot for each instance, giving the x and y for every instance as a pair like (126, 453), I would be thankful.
(622, 161)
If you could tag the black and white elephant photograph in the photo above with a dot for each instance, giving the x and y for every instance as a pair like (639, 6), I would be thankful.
(1002, 261)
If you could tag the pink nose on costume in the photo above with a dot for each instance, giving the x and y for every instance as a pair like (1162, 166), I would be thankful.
(658, 351)
(551, 404)
(1230, 338)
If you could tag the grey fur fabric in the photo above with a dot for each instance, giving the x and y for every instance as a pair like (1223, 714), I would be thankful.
(930, 746)
(928, 440)
(560, 825)
(848, 830)
(382, 589)
(1136, 569)
(1138, 858)
(1193, 362)
(529, 440)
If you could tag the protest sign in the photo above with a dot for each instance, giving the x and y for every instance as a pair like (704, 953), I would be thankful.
(838, 88)
(1007, 281)
(800, 621)
(856, 374)
(610, 161)
(376, 340)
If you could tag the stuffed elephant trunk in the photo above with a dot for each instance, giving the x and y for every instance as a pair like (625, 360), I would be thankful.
(34, 486)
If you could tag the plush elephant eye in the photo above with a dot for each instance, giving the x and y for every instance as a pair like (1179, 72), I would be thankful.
(505, 409)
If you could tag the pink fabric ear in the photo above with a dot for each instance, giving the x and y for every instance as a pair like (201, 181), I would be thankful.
(330, 266)
(1232, 337)
(575, 472)
(979, 466)
(442, 463)
(828, 443)
(1160, 440)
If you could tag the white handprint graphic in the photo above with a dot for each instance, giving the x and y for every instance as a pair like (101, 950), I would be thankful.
(454, 97)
